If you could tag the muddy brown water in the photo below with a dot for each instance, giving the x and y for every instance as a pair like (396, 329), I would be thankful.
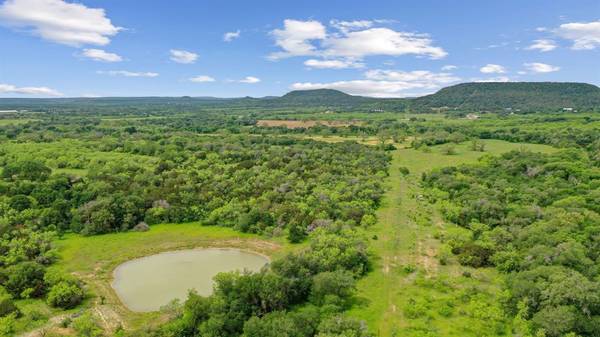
(148, 283)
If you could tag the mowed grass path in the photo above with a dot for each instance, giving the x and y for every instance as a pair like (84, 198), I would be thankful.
(409, 293)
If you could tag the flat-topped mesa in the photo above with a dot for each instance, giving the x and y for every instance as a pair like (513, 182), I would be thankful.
(513, 96)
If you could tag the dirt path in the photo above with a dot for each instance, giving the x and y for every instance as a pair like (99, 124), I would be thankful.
(401, 296)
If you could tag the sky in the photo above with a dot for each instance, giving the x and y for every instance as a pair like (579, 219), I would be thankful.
(393, 48)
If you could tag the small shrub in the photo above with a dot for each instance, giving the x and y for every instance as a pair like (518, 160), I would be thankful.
(409, 269)
(65, 323)
(404, 170)
(65, 295)
(7, 305)
(86, 326)
(449, 150)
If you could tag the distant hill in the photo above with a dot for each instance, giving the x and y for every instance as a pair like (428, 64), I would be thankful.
(322, 97)
(524, 96)
(466, 97)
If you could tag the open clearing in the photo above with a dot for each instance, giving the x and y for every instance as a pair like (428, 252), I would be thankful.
(94, 258)
(297, 124)
(407, 279)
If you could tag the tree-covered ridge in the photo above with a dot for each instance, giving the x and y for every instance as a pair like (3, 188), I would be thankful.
(517, 97)
(513, 96)
(535, 218)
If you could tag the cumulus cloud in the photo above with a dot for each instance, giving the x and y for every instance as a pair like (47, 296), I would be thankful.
(424, 78)
(202, 79)
(387, 83)
(183, 56)
(537, 67)
(381, 41)
(542, 45)
(37, 91)
(101, 55)
(59, 21)
(333, 64)
(295, 38)
(250, 80)
(449, 67)
(127, 73)
(230, 36)
(585, 35)
(352, 40)
(492, 69)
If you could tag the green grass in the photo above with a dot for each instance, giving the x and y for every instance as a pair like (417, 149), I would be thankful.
(84, 254)
(15, 121)
(409, 293)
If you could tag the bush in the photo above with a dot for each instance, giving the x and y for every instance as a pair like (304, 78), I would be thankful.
(7, 325)
(332, 287)
(25, 280)
(404, 170)
(86, 326)
(7, 305)
(65, 295)
(474, 255)
(449, 150)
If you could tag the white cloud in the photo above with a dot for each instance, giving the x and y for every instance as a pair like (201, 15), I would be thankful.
(183, 56)
(381, 41)
(424, 78)
(387, 83)
(585, 35)
(202, 79)
(127, 73)
(101, 55)
(346, 26)
(492, 79)
(37, 91)
(537, 67)
(59, 21)
(230, 36)
(492, 69)
(449, 67)
(295, 38)
(542, 45)
(250, 80)
(354, 39)
(360, 87)
(333, 64)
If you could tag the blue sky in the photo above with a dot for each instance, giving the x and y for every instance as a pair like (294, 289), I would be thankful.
(376, 48)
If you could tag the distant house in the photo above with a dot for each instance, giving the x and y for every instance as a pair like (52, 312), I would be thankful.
(568, 109)
(472, 116)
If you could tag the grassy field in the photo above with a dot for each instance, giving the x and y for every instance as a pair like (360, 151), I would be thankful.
(409, 293)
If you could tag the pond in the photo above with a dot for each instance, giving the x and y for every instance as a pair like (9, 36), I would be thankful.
(148, 283)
